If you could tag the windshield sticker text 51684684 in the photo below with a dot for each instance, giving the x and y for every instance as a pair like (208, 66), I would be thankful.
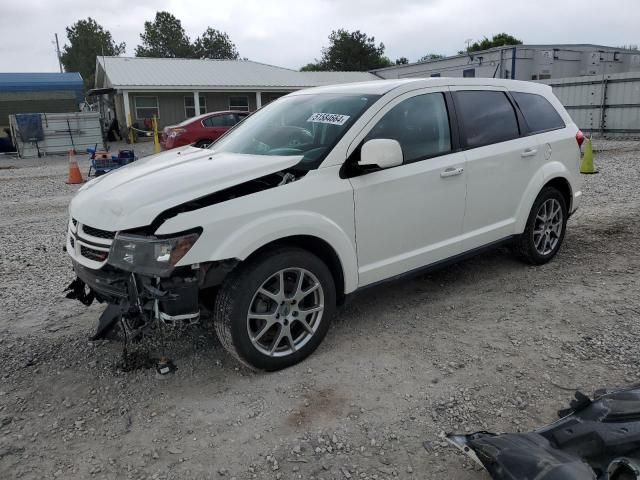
(332, 118)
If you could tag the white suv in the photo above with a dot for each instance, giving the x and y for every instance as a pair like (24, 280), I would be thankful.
(319, 194)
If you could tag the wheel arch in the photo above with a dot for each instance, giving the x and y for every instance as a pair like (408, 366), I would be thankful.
(319, 247)
(564, 187)
(537, 184)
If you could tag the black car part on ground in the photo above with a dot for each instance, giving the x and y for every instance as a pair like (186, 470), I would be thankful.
(595, 439)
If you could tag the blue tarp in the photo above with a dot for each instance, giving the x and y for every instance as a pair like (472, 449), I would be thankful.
(39, 82)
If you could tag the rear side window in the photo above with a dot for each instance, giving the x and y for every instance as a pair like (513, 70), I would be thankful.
(487, 116)
(216, 121)
(538, 112)
(225, 120)
(420, 124)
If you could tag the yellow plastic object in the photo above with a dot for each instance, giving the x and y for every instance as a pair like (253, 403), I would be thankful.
(156, 141)
(587, 166)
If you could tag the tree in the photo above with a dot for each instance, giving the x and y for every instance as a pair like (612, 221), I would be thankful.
(215, 44)
(312, 67)
(164, 38)
(350, 51)
(402, 61)
(430, 56)
(87, 40)
(499, 40)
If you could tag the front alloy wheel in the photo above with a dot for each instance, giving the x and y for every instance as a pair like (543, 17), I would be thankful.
(274, 311)
(285, 312)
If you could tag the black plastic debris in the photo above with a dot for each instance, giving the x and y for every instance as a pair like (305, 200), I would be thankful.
(164, 367)
(108, 320)
(595, 439)
(78, 290)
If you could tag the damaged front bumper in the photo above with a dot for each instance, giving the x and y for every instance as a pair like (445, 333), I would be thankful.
(137, 275)
(140, 300)
(595, 439)
(137, 299)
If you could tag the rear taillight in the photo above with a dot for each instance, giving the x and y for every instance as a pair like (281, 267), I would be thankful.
(176, 132)
(579, 138)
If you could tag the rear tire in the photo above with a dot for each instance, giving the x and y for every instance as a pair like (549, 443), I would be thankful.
(274, 311)
(545, 229)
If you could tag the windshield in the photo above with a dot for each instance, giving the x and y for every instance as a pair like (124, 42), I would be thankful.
(308, 125)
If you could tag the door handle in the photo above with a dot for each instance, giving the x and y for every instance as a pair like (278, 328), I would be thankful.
(529, 152)
(451, 172)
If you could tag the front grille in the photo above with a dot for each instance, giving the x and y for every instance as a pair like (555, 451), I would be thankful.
(96, 232)
(91, 254)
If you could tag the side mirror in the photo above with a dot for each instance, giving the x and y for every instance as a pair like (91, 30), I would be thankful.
(381, 152)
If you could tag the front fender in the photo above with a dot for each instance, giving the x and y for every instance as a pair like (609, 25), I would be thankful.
(251, 237)
(316, 205)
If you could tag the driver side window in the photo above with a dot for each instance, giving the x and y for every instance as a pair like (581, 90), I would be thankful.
(420, 124)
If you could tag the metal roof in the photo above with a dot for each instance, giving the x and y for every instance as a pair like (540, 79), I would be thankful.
(30, 82)
(130, 73)
(559, 46)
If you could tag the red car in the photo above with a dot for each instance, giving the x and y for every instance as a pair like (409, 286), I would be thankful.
(201, 130)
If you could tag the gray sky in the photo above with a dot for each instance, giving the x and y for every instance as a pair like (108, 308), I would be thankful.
(291, 33)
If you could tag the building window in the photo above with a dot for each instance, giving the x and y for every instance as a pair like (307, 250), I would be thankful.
(469, 72)
(546, 76)
(146, 107)
(435, 74)
(534, 77)
(190, 107)
(239, 103)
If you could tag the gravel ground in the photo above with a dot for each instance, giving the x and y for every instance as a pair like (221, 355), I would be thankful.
(487, 344)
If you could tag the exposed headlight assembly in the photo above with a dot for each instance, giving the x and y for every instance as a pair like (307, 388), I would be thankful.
(150, 255)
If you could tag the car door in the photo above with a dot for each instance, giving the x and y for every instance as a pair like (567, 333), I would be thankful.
(410, 215)
(501, 161)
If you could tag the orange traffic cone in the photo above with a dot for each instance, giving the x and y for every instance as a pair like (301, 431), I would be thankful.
(74, 171)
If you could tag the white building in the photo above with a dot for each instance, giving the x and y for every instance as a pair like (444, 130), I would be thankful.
(525, 62)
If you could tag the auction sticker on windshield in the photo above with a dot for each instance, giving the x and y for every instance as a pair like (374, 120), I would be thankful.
(332, 118)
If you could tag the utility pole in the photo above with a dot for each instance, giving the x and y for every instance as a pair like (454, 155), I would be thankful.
(468, 42)
(58, 53)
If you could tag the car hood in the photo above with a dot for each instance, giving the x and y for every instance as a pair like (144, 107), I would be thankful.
(134, 195)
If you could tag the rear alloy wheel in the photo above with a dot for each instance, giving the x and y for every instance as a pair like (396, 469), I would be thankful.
(275, 310)
(545, 228)
(548, 225)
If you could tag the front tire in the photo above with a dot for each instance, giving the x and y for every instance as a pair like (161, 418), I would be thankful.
(545, 229)
(274, 311)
